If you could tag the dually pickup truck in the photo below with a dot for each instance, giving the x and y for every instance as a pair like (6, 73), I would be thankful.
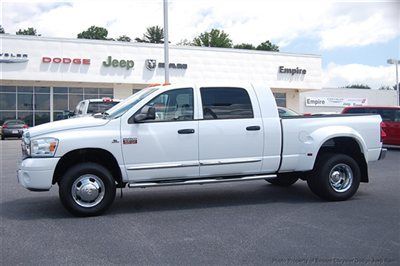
(182, 135)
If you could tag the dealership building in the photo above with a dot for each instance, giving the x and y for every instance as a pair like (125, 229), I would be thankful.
(42, 77)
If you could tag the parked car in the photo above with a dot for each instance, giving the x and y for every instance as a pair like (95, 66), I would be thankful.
(92, 106)
(12, 128)
(390, 117)
(283, 111)
(183, 135)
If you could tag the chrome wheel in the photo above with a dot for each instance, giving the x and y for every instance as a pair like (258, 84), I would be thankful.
(341, 177)
(88, 190)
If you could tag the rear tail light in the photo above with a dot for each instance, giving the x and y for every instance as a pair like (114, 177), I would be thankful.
(25, 126)
(107, 99)
(383, 133)
(5, 126)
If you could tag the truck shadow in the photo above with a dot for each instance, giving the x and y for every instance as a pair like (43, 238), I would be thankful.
(169, 199)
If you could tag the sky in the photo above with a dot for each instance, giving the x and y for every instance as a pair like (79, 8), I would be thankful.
(354, 38)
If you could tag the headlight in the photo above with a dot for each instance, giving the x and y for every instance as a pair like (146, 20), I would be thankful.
(45, 147)
(26, 145)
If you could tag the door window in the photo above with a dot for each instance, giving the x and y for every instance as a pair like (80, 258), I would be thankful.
(173, 105)
(226, 103)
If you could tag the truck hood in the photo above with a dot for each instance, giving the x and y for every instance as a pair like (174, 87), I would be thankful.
(67, 124)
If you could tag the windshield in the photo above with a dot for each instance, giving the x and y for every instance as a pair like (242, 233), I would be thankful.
(128, 103)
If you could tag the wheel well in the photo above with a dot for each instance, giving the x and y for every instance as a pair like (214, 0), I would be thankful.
(100, 156)
(350, 147)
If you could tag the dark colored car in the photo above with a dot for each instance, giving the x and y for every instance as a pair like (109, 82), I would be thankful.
(13, 128)
(390, 120)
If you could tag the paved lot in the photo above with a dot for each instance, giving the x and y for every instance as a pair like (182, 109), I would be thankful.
(238, 223)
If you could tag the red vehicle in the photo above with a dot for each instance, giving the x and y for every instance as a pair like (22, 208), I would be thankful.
(390, 117)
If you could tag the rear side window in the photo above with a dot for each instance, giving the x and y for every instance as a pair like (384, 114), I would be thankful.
(226, 103)
(397, 116)
(387, 114)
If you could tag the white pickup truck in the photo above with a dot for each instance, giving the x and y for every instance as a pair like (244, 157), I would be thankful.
(180, 135)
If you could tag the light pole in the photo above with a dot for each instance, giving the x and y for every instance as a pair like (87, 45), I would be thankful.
(396, 63)
(166, 43)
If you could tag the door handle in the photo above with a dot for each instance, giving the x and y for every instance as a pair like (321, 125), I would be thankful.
(253, 128)
(186, 131)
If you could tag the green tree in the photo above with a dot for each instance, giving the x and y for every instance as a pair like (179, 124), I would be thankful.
(268, 46)
(358, 86)
(185, 42)
(28, 31)
(94, 32)
(124, 38)
(1, 30)
(214, 38)
(154, 34)
(385, 88)
(247, 46)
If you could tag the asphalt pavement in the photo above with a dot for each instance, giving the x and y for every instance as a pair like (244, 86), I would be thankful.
(248, 223)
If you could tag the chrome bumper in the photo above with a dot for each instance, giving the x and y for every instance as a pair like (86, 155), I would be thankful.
(382, 155)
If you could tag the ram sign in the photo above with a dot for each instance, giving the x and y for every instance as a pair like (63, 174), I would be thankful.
(335, 101)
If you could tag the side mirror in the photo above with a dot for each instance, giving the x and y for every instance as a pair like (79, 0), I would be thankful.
(147, 113)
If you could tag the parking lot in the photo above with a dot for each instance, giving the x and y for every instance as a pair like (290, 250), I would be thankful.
(238, 223)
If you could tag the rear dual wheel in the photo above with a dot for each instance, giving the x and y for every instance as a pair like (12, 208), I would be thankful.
(335, 177)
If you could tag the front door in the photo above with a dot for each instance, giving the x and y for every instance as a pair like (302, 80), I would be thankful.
(167, 146)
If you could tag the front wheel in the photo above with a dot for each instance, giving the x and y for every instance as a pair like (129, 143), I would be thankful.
(335, 177)
(87, 189)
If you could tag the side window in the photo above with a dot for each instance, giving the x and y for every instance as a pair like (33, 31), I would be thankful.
(226, 103)
(78, 108)
(81, 107)
(386, 114)
(397, 116)
(173, 105)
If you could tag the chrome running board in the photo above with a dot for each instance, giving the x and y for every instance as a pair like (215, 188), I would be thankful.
(199, 181)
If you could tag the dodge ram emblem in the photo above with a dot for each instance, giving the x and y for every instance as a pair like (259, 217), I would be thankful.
(150, 64)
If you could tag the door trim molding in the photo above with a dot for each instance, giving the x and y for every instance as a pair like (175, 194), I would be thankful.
(162, 166)
(229, 161)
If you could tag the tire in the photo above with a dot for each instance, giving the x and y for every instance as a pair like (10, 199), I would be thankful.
(87, 189)
(336, 177)
(2, 137)
(282, 180)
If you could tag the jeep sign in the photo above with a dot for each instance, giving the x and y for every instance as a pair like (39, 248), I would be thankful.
(128, 64)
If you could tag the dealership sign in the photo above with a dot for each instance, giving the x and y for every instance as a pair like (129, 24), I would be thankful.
(173, 65)
(128, 64)
(292, 71)
(66, 60)
(13, 58)
(335, 101)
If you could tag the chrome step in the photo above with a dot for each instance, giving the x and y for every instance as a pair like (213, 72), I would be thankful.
(199, 181)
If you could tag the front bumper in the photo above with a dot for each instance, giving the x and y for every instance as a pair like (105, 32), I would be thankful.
(36, 174)
(382, 155)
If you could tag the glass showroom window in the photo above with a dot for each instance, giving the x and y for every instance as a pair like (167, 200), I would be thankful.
(8, 102)
(66, 98)
(280, 99)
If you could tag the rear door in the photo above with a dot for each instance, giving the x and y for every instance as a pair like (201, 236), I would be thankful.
(230, 132)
